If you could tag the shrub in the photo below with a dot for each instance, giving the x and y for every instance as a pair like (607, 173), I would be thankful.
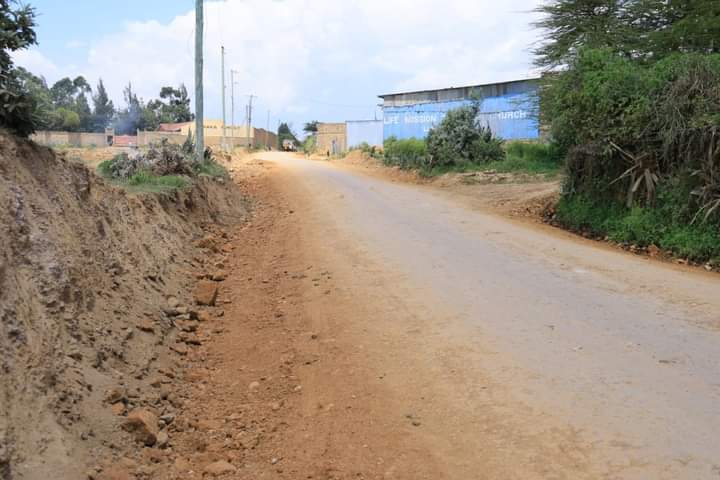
(309, 145)
(460, 139)
(409, 153)
(627, 127)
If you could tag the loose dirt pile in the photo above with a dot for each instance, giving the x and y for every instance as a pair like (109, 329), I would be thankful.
(96, 311)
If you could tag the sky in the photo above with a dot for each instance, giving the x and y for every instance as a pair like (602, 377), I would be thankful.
(305, 60)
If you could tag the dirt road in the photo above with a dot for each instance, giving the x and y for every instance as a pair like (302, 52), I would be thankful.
(381, 330)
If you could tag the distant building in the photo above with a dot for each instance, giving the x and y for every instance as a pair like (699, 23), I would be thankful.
(331, 138)
(509, 108)
(364, 132)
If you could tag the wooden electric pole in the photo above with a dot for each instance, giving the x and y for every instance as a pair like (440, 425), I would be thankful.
(222, 67)
(199, 104)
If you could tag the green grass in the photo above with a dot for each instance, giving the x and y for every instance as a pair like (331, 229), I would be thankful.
(666, 226)
(520, 157)
(529, 157)
(145, 182)
(212, 169)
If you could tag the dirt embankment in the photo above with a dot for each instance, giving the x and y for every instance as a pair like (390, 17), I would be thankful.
(95, 310)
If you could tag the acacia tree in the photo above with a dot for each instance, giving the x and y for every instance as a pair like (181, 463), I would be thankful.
(643, 30)
(173, 106)
(17, 32)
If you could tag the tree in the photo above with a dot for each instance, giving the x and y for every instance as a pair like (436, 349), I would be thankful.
(82, 108)
(136, 115)
(572, 24)
(17, 32)
(311, 127)
(644, 30)
(103, 109)
(285, 133)
(38, 90)
(174, 106)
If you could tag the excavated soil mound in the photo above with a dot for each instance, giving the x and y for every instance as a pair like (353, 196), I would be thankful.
(94, 308)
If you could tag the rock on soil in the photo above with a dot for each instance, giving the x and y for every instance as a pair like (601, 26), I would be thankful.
(205, 293)
(143, 424)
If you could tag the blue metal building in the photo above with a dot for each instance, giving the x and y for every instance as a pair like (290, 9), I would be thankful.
(364, 131)
(509, 108)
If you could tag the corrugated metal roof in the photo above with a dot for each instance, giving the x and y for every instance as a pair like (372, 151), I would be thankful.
(458, 88)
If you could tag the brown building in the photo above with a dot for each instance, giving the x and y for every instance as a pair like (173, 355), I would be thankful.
(331, 138)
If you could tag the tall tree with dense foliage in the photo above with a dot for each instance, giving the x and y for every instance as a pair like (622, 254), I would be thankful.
(285, 133)
(17, 32)
(646, 30)
(103, 108)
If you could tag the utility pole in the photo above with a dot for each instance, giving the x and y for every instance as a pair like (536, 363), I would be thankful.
(249, 119)
(222, 66)
(199, 106)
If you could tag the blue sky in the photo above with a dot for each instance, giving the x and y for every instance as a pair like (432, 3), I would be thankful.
(305, 59)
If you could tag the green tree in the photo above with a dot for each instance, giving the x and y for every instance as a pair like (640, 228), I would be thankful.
(17, 32)
(285, 133)
(311, 127)
(38, 90)
(572, 24)
(174, 105)
(103, 108)
(646, 30)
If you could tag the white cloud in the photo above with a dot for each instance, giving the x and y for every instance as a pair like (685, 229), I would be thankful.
(36, 62)
(73, 44)
(338, 52)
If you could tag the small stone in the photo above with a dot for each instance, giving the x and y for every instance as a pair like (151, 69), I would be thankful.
(146, 325)
(203, 316)
(144, 425)
(218, 468)
(219, 276)
(115, 395)
(168, 418)
(118, 408)
(205, 293)
(172, 302)
(254, 385)
(162, 440)
(653, 250)
(179, 348)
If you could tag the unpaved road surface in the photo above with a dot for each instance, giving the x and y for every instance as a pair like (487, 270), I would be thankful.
(381, 330)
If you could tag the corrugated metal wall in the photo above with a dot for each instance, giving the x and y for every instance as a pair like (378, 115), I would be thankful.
(510, 115)
(364, 131)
